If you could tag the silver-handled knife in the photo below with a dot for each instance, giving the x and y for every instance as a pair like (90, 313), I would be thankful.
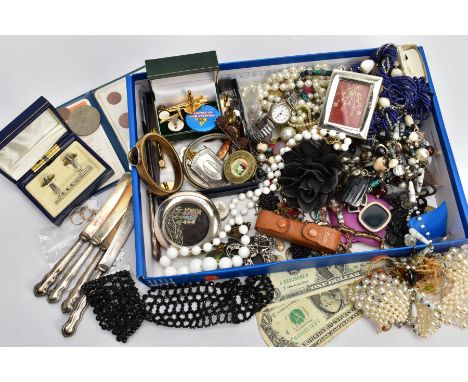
(97, 239)
(121, 235)
(41, 288)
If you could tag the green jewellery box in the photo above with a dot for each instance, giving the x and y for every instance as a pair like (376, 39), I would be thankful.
(178, 84)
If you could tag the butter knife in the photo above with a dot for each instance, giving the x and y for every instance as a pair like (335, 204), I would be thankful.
(41, 288)
(97, 239)
(121, 235)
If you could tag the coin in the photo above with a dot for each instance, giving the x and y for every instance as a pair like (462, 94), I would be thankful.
(84, 120)
(114, 98)
(240, 167)
(123, 120)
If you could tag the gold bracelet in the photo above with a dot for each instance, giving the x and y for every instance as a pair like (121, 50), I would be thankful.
(137, 157)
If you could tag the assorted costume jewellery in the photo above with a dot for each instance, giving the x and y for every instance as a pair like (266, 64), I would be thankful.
(315, 158)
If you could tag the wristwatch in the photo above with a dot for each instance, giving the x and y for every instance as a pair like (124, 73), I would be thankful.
(280, 113)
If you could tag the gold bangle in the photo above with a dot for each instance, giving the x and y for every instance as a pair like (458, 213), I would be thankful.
(137, 157)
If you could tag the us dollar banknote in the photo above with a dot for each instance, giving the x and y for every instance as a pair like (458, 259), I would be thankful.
(306, 282)
(307, 321)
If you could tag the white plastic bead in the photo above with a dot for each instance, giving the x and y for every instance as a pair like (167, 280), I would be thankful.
(396, 72)
(231, 222)
(225, 262)
(251, 204)
(307, 135)
(172, 253)
(227, 228)
(257, 192)
(209, 264)
(273, 187)
(207, 247)
(332, 133)
(367, 66)
(243, 229)
(170, 271)
(274, 167)
(282, 151)
(323, 132)
(249, 194)
(183, 270)
(281, 165)
(262, 147)
(216, 242)
(231, 206)
(237, 260)
(196, 250)
(342, 135)
(244, 252)
(291, 142)
(266, 182)
(184, 251)
(242, 196)
(298, 137)
(234, 201)
(245, 240)
(266, 190)
(165, 261)
(277, 173)
(261, 157)
(270, 175)
(222, 235)
(238, 220)
(336, 146)
(233, 212)
(413, 137)
(244, 211)
(409, 120)
(384, 102)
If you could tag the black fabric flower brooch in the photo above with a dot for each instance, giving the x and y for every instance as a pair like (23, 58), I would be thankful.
(310, 175)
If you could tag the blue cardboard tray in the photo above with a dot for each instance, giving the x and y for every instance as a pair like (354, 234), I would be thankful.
(451, 192)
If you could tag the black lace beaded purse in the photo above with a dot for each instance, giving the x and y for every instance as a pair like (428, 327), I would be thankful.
(120, 309)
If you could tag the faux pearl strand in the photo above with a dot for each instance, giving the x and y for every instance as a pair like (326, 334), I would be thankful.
(269, 185)
(454, 300)
(383, 299)
(287, 80)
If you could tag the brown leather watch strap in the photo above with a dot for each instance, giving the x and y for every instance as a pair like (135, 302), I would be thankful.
(137, 157)
(310, 235)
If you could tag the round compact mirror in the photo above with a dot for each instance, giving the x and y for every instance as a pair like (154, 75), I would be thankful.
(186, 219)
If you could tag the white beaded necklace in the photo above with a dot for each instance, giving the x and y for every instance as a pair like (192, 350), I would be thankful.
(273, 171)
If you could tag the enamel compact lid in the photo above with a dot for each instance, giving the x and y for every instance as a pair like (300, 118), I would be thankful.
(186, 219)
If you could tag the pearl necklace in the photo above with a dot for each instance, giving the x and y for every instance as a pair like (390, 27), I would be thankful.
(287, 80)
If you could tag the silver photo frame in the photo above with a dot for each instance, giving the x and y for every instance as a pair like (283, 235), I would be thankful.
(360, 97)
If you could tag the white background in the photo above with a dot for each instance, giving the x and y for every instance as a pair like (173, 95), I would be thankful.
(62, 68)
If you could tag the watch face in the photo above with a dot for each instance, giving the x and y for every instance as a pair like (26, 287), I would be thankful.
(280, 113)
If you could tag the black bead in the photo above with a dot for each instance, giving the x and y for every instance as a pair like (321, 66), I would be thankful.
(380, 151)
(410, 277)
(268, 202)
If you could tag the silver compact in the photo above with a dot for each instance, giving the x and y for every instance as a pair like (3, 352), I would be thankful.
(186, 219)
